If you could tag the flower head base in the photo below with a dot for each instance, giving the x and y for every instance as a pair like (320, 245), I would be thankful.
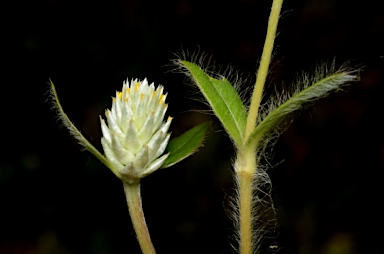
(136, 135)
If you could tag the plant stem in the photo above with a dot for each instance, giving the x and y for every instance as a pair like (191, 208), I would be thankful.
(245, 182)
(245, 170)
(132, 194)
(263, 68)
(246, 163)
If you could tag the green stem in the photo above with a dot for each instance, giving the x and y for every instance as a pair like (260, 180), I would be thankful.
(245, 169)
(246, 164)
(246, 194)
(132, 194)
(263, 68)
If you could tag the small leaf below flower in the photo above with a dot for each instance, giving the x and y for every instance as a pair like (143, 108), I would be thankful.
(185, 145)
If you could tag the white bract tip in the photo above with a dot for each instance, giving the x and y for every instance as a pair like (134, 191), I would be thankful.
(135, 135)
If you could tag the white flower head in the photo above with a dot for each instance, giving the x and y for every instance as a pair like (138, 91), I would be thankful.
(136, 135)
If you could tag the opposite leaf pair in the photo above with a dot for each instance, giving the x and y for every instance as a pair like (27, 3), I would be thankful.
(229, 108)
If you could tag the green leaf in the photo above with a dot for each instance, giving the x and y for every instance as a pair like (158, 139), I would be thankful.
(185, 145)
(318, 89)
(75, 132)
(224, 100)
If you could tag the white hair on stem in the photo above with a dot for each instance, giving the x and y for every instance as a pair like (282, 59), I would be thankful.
(263, 212)
(271, 123)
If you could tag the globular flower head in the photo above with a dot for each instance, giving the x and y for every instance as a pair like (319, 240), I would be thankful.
(135, 135)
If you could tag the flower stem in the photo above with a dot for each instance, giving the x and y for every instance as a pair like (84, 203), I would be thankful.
(132, 194)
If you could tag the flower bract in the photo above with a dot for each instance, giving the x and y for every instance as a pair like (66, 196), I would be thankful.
(135, 135)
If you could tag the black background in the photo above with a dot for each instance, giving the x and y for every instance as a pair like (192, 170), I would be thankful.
(327, 169)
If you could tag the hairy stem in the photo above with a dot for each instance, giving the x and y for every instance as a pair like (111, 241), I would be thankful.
(263, 68)
(246, 160)
(245, 182)
(132, 194)
(245, 170)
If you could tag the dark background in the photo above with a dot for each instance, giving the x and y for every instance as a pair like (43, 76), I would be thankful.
(328, 166)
